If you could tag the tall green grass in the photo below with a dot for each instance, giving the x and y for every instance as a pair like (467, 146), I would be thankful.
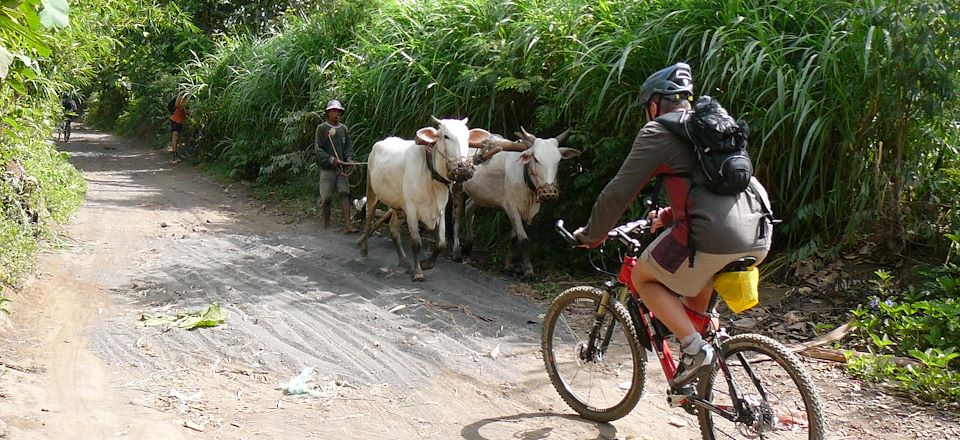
(848, 101)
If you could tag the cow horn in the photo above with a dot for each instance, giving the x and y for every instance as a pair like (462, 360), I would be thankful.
(435, 119)
(563, 136)
(527, 138)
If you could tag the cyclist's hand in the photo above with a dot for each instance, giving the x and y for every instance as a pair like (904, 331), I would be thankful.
(655, 223)
(337, 162)
(578, 234)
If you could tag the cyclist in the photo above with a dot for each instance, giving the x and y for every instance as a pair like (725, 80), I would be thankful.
(723, 228)
(69, 112)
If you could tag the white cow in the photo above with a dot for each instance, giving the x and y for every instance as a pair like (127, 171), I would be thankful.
(414, 177)
(515, 182)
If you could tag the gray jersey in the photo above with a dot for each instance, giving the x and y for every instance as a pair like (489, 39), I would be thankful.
(714, 223)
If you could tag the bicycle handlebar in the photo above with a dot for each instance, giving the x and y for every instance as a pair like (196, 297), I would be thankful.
(567, 236)
(622, 232)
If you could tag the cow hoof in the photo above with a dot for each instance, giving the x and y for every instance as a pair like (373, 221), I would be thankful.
(418, 277)
(457, 258)
(426, 264)
(529, 277)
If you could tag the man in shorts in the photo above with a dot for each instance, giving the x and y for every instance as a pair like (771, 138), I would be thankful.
(334, 153)
(724, 228)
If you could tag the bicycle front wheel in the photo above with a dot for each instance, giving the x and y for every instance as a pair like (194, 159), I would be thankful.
(776, 395)
(600, 377)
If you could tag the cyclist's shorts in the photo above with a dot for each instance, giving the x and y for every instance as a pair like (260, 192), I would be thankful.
(668, 260)
(176, 126)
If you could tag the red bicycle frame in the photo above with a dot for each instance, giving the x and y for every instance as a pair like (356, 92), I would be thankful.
(701, 322)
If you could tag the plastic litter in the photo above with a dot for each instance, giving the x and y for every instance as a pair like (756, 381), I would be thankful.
(300, 384)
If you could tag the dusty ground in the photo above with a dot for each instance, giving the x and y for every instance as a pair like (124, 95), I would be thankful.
(395, 359)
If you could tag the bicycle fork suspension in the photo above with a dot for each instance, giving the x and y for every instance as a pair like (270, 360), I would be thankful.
(622, 294)
(592, 352)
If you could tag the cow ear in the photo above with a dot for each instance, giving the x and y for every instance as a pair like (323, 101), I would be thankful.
(427, 136)
(478, 135)
(526, 156)
(569, 153)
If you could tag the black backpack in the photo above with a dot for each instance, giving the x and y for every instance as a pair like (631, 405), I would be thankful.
(172, 104)
(719, 142)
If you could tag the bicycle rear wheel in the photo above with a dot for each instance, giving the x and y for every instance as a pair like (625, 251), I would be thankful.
(602, 379)
(780, 398)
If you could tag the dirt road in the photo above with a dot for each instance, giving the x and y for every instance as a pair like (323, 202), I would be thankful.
(454, 357)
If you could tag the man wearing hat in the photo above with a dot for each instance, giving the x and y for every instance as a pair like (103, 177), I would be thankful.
(334, 153)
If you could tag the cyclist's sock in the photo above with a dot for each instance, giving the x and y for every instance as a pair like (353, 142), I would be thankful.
(692, 344)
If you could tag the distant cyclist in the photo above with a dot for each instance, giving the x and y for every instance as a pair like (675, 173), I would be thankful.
(69, 112)
(724, 228)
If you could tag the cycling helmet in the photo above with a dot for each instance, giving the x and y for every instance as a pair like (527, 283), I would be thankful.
(334, 104)
(670, 80)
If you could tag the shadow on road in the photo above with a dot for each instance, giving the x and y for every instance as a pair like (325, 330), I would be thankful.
(531, 426)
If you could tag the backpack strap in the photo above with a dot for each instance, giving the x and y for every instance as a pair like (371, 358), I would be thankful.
(676, 123)
(768, 215)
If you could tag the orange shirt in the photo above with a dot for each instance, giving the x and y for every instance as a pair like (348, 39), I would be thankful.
(179, 114)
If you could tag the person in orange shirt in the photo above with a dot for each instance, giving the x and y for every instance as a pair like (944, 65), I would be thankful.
(179, 116)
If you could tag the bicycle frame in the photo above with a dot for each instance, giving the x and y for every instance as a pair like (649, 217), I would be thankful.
(647, 327)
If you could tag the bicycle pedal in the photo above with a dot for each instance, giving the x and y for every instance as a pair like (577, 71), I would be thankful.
(680, 397)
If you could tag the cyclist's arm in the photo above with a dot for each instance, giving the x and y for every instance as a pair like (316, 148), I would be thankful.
(642, 163)
(666, 215)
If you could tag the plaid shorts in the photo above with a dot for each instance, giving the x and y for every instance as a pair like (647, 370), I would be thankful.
(669, 261)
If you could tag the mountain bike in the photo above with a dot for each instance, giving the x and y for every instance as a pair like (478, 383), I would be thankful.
(595, 341)
(63, 131)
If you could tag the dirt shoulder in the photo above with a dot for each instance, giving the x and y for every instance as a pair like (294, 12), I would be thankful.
(454, 357)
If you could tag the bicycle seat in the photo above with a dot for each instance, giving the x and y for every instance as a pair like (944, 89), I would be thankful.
(740, 265)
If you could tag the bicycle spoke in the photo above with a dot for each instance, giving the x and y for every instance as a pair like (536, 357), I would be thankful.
(777, 399)
(595, 376)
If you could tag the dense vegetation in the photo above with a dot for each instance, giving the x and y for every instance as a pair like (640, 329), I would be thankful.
(854, 104)
(37, 186)
(47, 50)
